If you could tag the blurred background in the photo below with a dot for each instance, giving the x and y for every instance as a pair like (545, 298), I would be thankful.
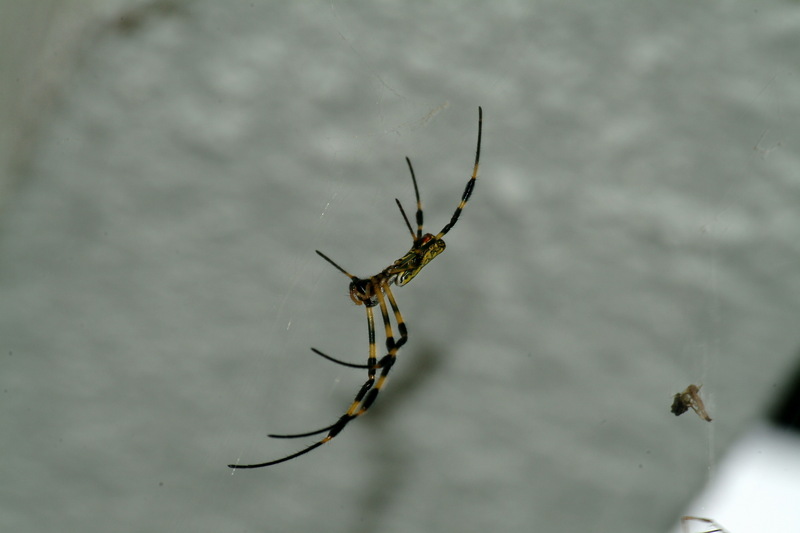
(169, 168)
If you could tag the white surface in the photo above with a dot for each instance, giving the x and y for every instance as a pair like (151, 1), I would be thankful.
(756, 485)
(160, 290)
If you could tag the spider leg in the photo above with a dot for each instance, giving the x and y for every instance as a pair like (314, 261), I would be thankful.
(369, 390)
(334, 429)
(371, 360)
(299, 435)
(419, 202)
(338, 361)
(340, 269)
(370, 366)
(470, 183)
(388, 360)
(298, 454)
(408, 224)
(401, 325)
(353, 411)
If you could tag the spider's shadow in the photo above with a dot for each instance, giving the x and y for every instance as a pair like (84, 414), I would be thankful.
(390, 468)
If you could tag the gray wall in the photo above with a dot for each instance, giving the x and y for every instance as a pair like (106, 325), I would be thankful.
(172, 166)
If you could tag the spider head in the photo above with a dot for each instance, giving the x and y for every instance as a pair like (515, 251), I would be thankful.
(362, 292)
(420, 255)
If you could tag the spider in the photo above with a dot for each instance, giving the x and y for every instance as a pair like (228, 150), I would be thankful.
(375, 291)
(690, 398)
(717, 528)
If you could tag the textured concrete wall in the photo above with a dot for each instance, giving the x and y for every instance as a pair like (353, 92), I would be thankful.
(634, 229)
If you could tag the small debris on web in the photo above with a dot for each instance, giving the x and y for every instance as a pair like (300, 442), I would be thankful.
(690, 398)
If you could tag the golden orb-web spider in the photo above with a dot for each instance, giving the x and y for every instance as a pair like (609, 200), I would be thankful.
(375, 290)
